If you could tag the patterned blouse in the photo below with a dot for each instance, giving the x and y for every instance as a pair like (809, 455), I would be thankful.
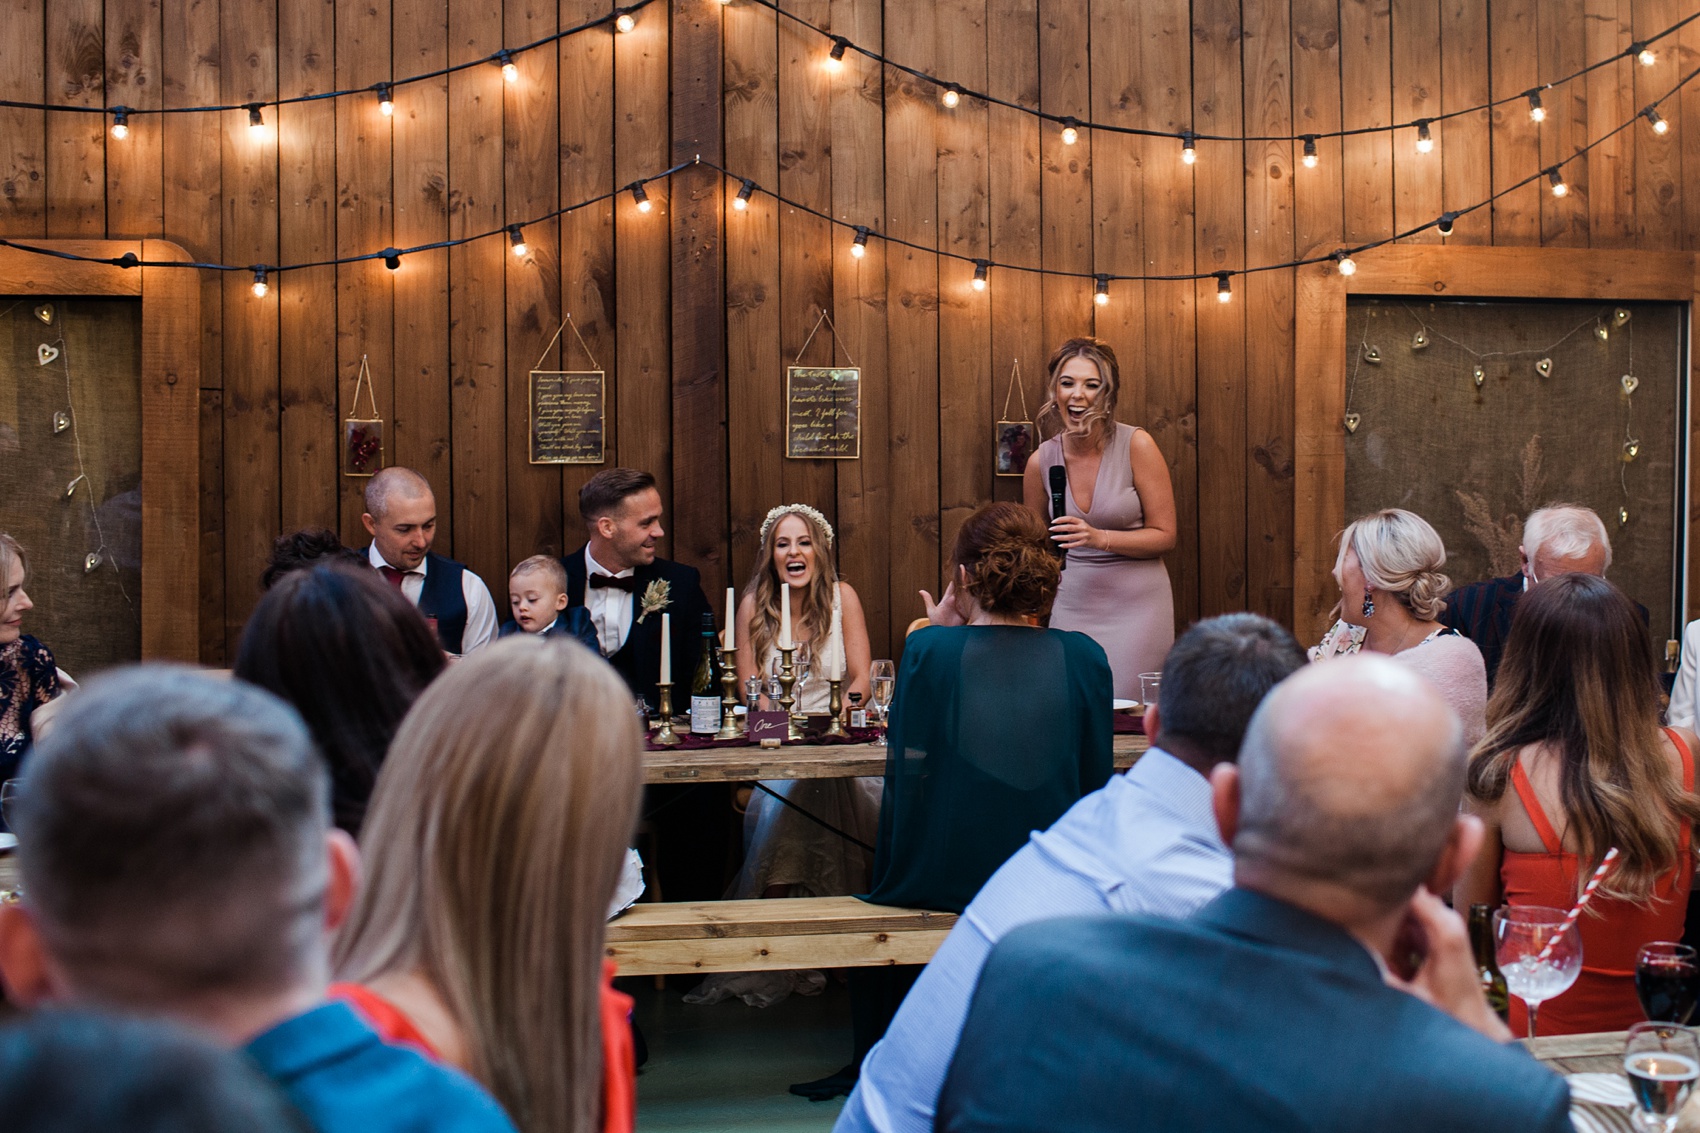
(28, 679)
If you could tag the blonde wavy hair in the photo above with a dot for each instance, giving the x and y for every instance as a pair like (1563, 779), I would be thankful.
(1101, 420)
(1400, 555)
(764, 584)
(491, 855)
(11, 552)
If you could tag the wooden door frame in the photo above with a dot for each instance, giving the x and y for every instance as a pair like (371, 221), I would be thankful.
(171, 393)
(1431, 271)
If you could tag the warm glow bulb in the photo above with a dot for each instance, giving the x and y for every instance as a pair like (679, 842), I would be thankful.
(981, 269)
(1348, 266)
(858, 250)
(510, 72)
(624, 22)
(1646, 57)
(978, 284)
(1661, 127)
(1559, 188)
(1070, 135)
(1189, 151)
(1537, 112)
(120, 125)
(645, 205)
(260, 288)
(517, 238)
(740, 203)
(256, 124)
(951, 98)
(1101, 291)
(1425, 139)
(1224, 288)
(1102, 298)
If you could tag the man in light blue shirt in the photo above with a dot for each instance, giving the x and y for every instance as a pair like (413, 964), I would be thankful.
(1145, 843)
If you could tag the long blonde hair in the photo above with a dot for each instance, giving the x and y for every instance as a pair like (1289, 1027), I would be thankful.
(764, 584)
(1101, 419)
(492, 847)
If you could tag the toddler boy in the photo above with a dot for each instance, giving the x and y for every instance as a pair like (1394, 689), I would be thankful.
(537, 594)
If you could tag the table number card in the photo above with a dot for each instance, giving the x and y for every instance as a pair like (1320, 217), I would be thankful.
(768, 726)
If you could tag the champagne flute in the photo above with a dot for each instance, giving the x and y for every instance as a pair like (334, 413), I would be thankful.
(1662, 1061)
(1537, 961)
(1667, 981)
(883, 675)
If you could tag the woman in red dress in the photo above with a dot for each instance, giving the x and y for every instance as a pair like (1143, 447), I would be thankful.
(1574, 763)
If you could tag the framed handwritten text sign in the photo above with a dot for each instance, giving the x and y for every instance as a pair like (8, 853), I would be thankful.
(823, 413)
(567, 416)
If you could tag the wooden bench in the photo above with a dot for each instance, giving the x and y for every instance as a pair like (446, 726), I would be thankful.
(782, 934)
(804, 761)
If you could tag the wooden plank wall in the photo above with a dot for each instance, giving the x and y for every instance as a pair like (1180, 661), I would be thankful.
(694, 309)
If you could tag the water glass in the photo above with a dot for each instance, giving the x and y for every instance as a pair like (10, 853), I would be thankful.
(1662, 1061)
(1537, 961)
(1667, 981)
(883, 675)
(1149, 685)
(8, 801)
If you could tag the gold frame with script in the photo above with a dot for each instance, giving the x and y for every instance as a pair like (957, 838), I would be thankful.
(837, 373)
(601, 377)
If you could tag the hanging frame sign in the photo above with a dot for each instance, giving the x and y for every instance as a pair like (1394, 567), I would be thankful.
(363, 437)
(1014, 441)
(823, 406)
(568, 410)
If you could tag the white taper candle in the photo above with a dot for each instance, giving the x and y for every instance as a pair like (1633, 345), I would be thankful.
(731, 618)
(666, 649)
(785, 641)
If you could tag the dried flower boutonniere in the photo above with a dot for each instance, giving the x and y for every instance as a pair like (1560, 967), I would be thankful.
(655, 598)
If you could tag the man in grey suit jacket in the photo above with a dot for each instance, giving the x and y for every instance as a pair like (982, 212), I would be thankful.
(1276, 1007)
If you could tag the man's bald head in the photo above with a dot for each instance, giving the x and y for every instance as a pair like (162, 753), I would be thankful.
(391, 485)
(401, 516)
(1351, 774)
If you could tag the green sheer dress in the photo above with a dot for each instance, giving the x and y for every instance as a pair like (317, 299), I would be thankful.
(995, 732)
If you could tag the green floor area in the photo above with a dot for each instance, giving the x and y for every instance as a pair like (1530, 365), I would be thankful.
(724, 1069)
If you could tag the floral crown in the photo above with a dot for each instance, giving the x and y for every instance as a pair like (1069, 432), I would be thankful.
(783, 510)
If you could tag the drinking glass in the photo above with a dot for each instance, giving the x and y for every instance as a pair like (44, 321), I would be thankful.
(1150, 684)
(1661, 1060)
(1667, 981)
(9, 791)
(883, 674)
(1534, 972)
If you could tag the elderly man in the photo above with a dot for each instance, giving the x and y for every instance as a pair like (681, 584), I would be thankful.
(1289, 1002)
(179, 862)
(1146, 843)
(401, 518)
(1557, 539)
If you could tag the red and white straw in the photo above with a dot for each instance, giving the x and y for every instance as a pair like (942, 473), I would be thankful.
(1606, 864)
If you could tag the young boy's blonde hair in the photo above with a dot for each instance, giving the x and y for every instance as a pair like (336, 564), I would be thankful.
(545, 565)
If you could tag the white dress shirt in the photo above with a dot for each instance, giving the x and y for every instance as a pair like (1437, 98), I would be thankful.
(1146, 843)
(609, 608)
(480, 607)
(1686, 691)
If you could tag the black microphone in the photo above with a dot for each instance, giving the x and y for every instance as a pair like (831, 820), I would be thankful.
(1059, 485)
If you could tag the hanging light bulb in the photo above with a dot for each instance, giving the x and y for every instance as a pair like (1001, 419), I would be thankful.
(859, 246)
(982, 268)
(835, 57)
(1189, 150)
(1660, 126)
(505, 60)
(120, 122)
(1644, 54)
(1101, 291)
(1537, 112)
(1559, 188)
(1425, 140)
(392, 258)
(1070, 131)
(260, 287)
(641, 198)
(256, 124)
(386, 104)
(1224, 288)
(952, 97)
(516, 237)
(1310, 158)
(1445, 223)
(1344, 261)
(742, 200)
(624, 22)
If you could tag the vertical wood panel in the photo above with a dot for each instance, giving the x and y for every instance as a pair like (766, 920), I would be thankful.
(211, 534)
(1366, 84)
(1686, 46)
(1564, 220)
(1416, 94)
(1465, 148)
(1066, 181)
(76, 150)
(1513, 29)
(23, 133)
(191, 144)
(134, 169)
(1610, 93)
(1658, 162)
(1318, 192)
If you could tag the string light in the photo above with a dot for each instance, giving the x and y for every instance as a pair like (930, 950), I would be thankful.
(1660, 126)
(1344, 261)
(516, 237)
(1445, 223)
(256, 124)
(1643, 54)
(1070, 131)
(1537, 112)
(1425, 140)
(1101, 291)
(260, 287)
(1310, 158)
(1224, 288)
(641, 198)
(1559, 188)
(835, 57)
(505, 60)
(120, 122)
(392, 258)
(859, 246)
(742, 200)
(1189, 149)
(982, 268)
(951, 97)
(386, 104)
(624, 23)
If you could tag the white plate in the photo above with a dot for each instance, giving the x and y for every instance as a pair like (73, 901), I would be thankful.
(1124, 705)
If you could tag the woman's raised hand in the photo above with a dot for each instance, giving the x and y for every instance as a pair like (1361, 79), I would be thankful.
(944, 611)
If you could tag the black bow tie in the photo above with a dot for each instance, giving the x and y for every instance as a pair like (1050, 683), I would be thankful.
(607, 581)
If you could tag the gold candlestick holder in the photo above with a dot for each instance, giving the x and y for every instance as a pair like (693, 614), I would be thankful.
(731, 728)
(666, 737)
(835, 704)
(788, 702)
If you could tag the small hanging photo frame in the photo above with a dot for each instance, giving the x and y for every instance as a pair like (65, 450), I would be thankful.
(823, 406)
(568, 409)
(363, 437)
(1014, 440)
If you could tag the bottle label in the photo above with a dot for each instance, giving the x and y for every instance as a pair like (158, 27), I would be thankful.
(705, 714)
(858, 717)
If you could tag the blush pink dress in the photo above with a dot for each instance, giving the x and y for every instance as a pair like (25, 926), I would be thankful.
(1125, 605)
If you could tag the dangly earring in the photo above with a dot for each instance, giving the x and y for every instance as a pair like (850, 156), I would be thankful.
(1369, 602)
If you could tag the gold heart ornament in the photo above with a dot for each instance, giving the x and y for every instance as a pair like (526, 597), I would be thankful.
(1419, 341)
(61, 421)
(45, 313)
(1631, 450)
(1630, 384)
(1372, 355)
(1619, 317)
(45, 354)
(1479, 375)
(1544, 367)
(1622, 516)
(1600, 332)
(1353, 420)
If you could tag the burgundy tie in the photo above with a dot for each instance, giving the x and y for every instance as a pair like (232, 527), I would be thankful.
(392, 575)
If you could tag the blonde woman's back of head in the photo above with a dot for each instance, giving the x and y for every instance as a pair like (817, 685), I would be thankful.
(492, 848)
(1400, 553)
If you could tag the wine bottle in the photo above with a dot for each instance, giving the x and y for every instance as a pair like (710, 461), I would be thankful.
(705, 684)
(1487, 966)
